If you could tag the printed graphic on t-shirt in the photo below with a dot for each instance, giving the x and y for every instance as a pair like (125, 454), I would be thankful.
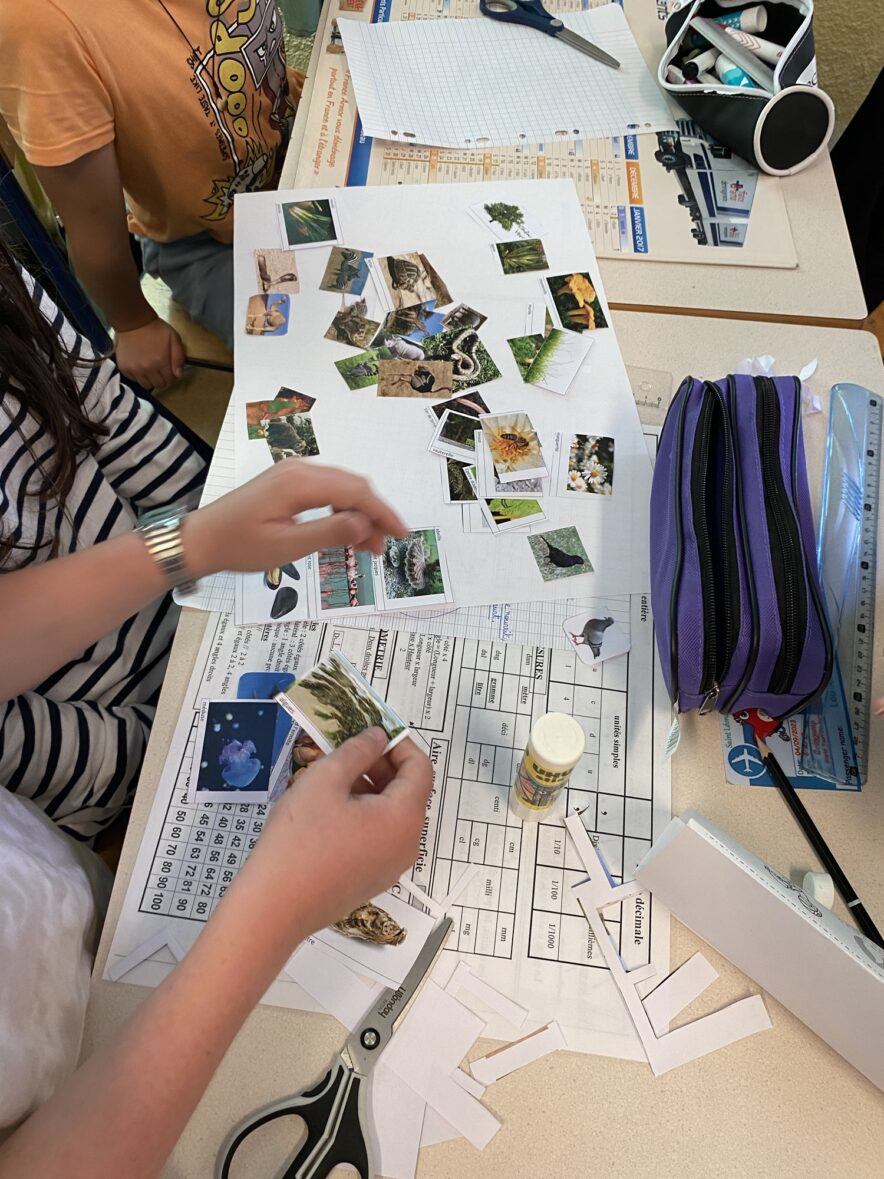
(243, 69)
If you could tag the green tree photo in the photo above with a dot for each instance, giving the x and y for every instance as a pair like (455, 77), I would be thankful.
(505, 215)
(340, 705)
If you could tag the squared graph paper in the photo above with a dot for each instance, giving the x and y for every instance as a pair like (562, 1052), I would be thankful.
(477, 83)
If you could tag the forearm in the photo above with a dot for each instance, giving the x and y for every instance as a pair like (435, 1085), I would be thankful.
(51, 612)
(121, 1114)
(88, 196)
(104, 263)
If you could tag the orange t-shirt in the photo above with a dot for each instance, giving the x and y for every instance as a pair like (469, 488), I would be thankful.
(192, 92)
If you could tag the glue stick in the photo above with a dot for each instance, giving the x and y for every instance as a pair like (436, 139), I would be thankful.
(750, 20)
(555, 745)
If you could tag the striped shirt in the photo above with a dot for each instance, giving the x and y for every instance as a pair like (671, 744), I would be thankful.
(75, 743)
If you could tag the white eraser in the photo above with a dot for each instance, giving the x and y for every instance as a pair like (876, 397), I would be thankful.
(819, 887)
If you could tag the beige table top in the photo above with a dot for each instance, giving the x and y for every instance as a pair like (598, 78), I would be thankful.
(825, 286)
(781, 1103)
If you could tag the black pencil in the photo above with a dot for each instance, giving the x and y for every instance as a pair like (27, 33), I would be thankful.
(819, 845)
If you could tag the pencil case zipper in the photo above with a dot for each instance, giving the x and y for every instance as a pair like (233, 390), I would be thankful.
(716, 547)
(798, 593)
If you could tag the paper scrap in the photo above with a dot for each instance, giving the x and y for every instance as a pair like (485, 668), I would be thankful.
(469, 1084)
(466, 878)
(429, 1044)
(397, 1120)
(473, 1121)
(464, 979)
(335, 987)
(506, 1060)
(435, 910)
(436, 1129)
(678, 990)
(164, 938)
(687, 1043)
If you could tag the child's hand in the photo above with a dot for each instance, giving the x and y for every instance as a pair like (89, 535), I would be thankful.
(153, 355)
(333, 842)
(253, 528)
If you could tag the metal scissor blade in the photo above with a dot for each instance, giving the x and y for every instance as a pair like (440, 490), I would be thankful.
(587, 47)
(373, 1034)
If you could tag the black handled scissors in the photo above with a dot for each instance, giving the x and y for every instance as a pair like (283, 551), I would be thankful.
(534, 15)
(334, 1110)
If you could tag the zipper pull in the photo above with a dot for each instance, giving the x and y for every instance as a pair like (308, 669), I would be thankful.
(711, 697)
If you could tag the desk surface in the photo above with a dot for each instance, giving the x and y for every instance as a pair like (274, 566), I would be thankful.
(824, 287)
(779, 1103)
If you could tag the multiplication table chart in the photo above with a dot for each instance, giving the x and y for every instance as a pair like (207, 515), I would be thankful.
(199, 851)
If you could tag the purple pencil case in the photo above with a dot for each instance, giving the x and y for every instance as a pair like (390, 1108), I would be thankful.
(738, 611)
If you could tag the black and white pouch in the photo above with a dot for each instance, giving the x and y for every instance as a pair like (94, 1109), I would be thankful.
(782, 126)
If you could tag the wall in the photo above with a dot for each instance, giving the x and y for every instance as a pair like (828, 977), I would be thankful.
(849, 36)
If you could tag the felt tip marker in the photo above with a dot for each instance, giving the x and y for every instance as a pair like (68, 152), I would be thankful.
(763, 50)
(747, 62)
(732, 75)
(695, 65)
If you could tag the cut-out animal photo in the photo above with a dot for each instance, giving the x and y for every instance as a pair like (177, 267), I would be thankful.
(359, 371)
(346, 271)
(286, 401)
(559, 553)
(596, 636)
(291, 436)
(234, 751)
(352, 326)
(268, 315)
(414, 378)
(406, 279)
(277, 271)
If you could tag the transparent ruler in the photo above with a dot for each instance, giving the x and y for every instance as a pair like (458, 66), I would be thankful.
(836, 727)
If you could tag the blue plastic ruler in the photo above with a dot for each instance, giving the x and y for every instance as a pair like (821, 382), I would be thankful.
(836, 728)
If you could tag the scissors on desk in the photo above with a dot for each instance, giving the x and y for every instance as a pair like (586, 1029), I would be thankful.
(334, 1111)
(534, 15)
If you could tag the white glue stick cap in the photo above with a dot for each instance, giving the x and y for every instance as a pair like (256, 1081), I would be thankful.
(557, 741)
(820, 888)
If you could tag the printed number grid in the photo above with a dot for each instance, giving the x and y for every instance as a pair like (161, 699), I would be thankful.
(491, 724)
(462, 83)
(617, 811)
(199, 851)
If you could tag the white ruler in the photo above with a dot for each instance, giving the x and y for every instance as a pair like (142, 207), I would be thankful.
(837, 726)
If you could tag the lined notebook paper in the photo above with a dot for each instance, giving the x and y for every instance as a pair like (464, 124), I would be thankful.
(477, 83)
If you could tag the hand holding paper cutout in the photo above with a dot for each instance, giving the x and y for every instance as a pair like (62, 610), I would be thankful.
(255, 528)
(333, 840)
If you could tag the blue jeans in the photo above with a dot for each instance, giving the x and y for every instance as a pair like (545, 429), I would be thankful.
(199, 272)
